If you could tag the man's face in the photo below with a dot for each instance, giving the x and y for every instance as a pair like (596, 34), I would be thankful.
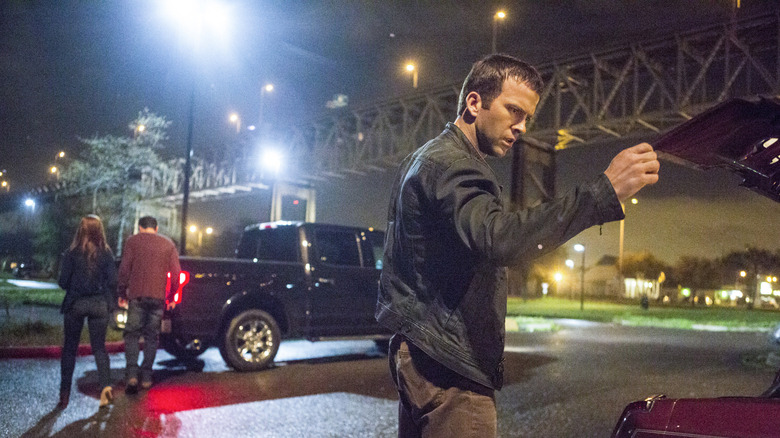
(499, 126)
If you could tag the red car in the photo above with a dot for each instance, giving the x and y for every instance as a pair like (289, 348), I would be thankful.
(742, 417)
(742, 136)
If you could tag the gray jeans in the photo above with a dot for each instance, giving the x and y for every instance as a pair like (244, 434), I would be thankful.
(144, 316)
(435, 401)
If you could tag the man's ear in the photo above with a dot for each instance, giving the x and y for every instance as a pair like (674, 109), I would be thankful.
(473, 105)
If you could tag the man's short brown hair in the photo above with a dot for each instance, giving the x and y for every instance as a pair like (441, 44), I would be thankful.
(487, 76)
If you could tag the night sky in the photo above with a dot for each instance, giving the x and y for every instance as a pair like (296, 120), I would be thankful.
(72, 69)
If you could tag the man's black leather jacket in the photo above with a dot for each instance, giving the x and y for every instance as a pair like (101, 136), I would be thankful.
(450, 237)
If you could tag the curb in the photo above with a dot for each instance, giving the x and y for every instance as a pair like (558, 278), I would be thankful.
(54, 351)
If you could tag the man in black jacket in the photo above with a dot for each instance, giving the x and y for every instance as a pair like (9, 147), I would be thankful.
(450, 237)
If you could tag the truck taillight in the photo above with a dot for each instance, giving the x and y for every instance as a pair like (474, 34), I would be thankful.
(184, 278)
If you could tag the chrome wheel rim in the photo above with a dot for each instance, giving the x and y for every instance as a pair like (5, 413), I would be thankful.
(254, 341)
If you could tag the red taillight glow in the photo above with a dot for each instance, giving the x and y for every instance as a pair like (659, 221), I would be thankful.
(184, 278)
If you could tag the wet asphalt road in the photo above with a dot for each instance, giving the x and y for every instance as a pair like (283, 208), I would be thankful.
(571, 383)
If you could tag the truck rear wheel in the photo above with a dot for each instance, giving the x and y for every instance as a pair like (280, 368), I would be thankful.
(250, 341)
(178, 349)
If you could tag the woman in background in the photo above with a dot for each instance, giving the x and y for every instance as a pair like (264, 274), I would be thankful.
(88, 275)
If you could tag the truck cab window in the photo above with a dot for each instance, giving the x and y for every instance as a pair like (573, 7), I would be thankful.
(269, 244)
(338, 248)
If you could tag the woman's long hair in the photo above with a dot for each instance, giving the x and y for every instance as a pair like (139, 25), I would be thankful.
(90, 238)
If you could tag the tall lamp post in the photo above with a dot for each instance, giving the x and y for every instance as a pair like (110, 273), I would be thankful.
(500, 16)
(581, 248)
(267, 89)
(194, 16)
(411, 68)
(622, 235)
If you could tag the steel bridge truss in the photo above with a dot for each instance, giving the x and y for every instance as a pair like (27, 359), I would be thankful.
(639, 90)
(642, 89)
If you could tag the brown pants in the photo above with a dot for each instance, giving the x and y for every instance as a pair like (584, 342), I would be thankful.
(435, 401)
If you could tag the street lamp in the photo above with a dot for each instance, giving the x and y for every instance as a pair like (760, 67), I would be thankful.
(500, 16)
(193, 18)
(634, 201)
(237, 120)
(267, 89)
(411, 68)
(581, 248)
(5, 185)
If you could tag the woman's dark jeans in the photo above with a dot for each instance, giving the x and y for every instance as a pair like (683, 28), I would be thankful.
(95, 309)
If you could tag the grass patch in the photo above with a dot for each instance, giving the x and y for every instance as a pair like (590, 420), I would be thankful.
(528, 324)
(724, 318)
(11, 295)
(37, 333)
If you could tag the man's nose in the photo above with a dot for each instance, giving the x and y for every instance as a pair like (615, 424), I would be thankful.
(519, 128)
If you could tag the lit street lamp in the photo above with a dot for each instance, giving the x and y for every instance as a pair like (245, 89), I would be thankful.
(634, 201)
(267, 89)
(237, 120)
(581, 248)
(500, 16)
(192, 17)
(411, 68)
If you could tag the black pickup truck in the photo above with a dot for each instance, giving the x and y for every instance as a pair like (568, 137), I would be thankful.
(289, 280)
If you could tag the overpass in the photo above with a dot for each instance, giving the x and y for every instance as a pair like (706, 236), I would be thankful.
(640, 89)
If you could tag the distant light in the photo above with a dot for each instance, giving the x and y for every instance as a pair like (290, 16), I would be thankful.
(271, 160)
(53, 169)
(193, 228)
(770, 142)
(61, 154)
(4, 183)
(558, 277)
(409, 67)
(579, 248)
(634, 201)
(269, 88)
(500, 15)
(295, 202)
(140, 128)
(251, 127)
(570, 263)
(234, 117)
(209, 230)
(742, 273)
(29, 203)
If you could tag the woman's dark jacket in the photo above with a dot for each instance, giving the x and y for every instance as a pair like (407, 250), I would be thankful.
(79, 281)
(450, 237)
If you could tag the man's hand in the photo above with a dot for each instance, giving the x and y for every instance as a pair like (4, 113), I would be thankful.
(170, 305)
(122, 303)
(632, 169)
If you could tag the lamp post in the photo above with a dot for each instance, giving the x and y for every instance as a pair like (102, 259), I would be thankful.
(622, 236)
(581, 248)
(267, 89)
(234, 118)
(500, 16)
(194, 17)
(411, 68)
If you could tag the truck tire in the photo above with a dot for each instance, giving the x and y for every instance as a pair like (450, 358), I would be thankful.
(176, 348)
(250, 341)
